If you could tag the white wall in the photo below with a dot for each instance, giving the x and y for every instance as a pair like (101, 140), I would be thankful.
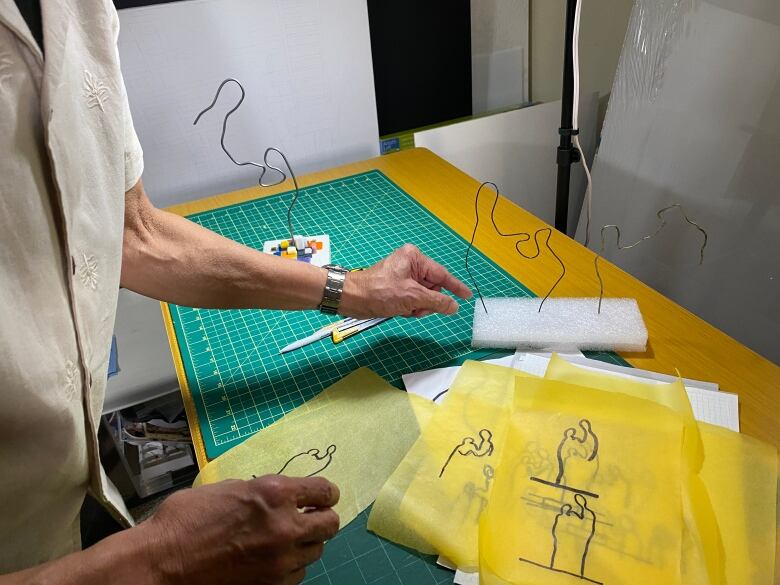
(602, 30)
(517, 151)
(499, 54)
(306, 66)
(694, 118)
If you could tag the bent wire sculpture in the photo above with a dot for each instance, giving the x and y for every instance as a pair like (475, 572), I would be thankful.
(469, 447)
(263, 167)
(660, 215)
(314, 458)
(523, 237)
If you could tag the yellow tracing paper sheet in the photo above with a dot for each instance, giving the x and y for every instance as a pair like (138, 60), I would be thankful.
(587, 490)
(741, 475)
(702, 545)
(354, 433)
(434, 499)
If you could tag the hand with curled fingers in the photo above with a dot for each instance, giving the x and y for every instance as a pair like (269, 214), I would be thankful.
(406, 283)
(262, 531)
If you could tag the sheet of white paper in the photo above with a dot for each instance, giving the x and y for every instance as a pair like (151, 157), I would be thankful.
(430, 384)
(709, 405)
(535, 363)
(433, 384)
(717, 408)
(446, 563)
(463, 578)
(306, 67)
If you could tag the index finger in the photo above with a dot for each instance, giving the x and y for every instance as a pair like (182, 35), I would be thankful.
(437, 275)
(315, 492)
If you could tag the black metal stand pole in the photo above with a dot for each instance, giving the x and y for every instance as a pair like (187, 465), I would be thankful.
(567, 154)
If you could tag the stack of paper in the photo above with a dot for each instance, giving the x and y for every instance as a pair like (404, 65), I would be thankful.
(593, 471)
(709, 405)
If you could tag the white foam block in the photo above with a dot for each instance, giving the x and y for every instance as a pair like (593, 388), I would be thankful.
(564, 324)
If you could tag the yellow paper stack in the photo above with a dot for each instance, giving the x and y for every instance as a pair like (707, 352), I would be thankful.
(582, 477)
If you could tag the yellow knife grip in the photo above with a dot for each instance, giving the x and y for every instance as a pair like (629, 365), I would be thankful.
(339, 336)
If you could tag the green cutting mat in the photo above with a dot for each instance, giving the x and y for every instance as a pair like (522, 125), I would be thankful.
(357, 557)
(240, 382)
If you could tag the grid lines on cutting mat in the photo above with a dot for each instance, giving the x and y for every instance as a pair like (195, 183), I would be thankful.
(239, 381)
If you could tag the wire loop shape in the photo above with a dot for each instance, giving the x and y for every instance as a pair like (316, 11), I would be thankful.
(660, 215)
(523, 237)
(271, 149)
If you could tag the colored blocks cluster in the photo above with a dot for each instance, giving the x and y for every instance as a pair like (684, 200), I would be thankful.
(297, 249)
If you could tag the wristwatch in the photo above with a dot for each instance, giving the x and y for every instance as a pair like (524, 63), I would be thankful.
(334, 286)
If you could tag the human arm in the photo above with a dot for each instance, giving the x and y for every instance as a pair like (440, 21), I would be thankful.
(170, 258)
(262, 531)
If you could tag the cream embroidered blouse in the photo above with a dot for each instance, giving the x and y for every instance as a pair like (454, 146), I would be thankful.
(68, 153)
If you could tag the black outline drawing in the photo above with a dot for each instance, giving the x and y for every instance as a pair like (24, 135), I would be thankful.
(473, 449)
(570, 434)
(568, 510)
(440, 394)
(587, 449)
(313, 453)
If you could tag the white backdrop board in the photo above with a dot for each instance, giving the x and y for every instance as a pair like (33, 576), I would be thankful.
(694, 119)
(305, 64)
(499, 54)
(517, 151)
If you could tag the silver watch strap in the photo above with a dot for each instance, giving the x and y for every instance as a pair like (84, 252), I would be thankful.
(334, 287)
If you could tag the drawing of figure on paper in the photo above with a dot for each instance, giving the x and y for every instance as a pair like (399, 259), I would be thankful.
(577, 456)
(573, 526)
(471, 447)
(479, 495)
(537, 461)
(308, 463)
(572, 532)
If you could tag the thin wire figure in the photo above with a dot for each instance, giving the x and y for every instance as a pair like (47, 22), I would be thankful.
(263, 167)
(523, 237)
(660, 215)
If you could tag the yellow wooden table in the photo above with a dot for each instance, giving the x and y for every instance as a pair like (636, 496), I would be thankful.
(678, 340)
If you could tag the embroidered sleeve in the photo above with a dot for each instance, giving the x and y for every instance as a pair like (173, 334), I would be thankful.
(134, 155)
